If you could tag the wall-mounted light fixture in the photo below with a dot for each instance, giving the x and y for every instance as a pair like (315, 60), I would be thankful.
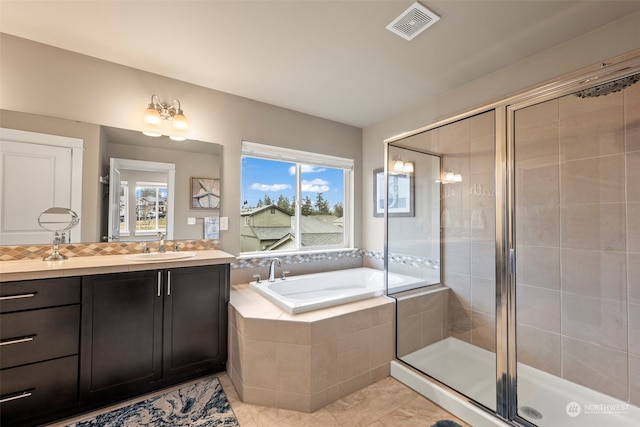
(450, 177)
(402, 167)
(157, 112)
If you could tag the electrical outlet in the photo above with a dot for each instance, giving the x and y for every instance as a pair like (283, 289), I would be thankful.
(224, 223)
(191, 220)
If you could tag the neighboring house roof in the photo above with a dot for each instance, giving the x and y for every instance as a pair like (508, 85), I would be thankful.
(254, 211)
(271, 233)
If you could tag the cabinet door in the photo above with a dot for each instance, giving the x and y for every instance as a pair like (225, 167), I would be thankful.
(121, 333)
(195, 320)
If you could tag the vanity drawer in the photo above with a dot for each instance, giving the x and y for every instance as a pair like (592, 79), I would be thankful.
(30, 294)
(27, 391)
(37, 335)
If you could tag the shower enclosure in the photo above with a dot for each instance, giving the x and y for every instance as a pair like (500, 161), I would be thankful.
(525, 233)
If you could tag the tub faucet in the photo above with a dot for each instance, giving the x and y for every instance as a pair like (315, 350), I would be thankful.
(272, 269)
(161, 247)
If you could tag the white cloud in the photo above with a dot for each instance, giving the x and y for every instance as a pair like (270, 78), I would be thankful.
(306, 169)
(270, 187)
(316, 186)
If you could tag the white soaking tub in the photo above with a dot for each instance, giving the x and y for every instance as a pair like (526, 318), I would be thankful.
(299, 294)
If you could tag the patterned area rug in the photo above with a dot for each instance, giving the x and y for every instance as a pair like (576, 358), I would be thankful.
(446, 423)
(199, 404)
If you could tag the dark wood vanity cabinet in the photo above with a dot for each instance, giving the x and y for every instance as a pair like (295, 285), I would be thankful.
(39, 343)
(143, 330)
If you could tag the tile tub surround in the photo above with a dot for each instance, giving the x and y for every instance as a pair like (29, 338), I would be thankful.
(304, 362)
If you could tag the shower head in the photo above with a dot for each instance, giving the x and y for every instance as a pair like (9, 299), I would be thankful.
(607, 88)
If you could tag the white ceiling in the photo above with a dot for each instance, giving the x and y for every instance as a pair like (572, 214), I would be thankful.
(332, 58)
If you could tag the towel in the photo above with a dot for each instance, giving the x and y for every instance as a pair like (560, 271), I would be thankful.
(212, 227)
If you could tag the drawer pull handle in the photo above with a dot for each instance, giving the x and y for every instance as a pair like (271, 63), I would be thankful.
(17, 340)
(159, 282)
(10, 297)
(168, 283)
(17, 396)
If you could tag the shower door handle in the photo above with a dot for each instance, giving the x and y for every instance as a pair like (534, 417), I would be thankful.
(512, 261)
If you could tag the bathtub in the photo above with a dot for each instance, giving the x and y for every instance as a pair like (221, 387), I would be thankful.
(299, 294)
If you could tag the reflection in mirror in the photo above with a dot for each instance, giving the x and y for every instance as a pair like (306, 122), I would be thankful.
(141, 199)
(413, 216)
(192, 159)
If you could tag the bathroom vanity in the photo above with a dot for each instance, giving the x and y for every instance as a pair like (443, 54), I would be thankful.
(87, 332)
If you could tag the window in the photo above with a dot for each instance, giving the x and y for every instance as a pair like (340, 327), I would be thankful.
(294, 200)
(124, 208)
(151, 207)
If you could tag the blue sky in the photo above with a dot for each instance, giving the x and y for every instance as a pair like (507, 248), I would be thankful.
(260, 177)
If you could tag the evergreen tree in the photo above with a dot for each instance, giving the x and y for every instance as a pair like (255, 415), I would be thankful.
(307, 206)
(283, 202)
(338, 210)
(322, 206)
(267, 200)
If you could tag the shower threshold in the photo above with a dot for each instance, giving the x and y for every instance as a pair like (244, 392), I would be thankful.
(543, 399)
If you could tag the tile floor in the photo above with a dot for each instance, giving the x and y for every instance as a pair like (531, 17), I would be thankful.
(387, 403)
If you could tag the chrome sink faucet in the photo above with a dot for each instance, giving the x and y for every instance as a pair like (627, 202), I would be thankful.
(161, 247)
(272, 269)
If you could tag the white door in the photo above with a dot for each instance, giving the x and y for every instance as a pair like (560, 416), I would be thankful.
(114, 202)
(34, 176)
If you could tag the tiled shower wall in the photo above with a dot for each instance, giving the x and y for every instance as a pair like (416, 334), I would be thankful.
(578, 240)
(468, 228)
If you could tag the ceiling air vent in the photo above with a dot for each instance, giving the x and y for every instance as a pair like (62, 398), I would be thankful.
(413, 21)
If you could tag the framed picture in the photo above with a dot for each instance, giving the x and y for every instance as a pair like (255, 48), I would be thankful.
(401, 197)
(205, 193)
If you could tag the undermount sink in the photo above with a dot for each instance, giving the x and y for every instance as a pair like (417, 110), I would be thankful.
(159, 256)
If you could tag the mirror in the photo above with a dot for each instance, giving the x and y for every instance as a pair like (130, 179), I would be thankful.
(58, 221)
(191, 159)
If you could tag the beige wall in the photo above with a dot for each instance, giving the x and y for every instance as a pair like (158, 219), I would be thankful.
(40, 79)
(607, 42)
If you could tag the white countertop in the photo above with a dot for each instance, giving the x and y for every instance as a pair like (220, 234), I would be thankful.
(80, 266)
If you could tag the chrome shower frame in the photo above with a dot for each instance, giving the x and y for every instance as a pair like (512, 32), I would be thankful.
(505, 256)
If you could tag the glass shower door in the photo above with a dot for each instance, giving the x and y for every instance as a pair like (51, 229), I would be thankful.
(448, 331)
(577, 240)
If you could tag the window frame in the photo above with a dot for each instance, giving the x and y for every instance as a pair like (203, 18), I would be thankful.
(299, 158)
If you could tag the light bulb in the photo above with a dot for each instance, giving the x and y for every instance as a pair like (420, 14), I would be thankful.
(398, 166)
(408, 167)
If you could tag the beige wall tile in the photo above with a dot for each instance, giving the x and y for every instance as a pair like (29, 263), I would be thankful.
(260, 329)
(325, 330)
(538, 225)
(483, 295)
(634, 379)
(539, 349)
(537, 184)
(460, 294)
(595, 273)
(538, 307)
(324, 369)
(354, 322)
(594, 180)
(538, 266)
(460, 323)
(291, 332)
(634, 328)
(632, 118)
(434, 325)
(597, 226)
(633, 227)
(409, 333)
(354, 354)
(594, 366)
(456, 257)
(483, 257)
(293, 401)
(595, 320)
(381, 345)
(382, 314)
(483, 333)
(633, 279)
(293, 368)
(259, 396)
(354, 384)
(324, 397)
(258, 363)
(591, 127)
